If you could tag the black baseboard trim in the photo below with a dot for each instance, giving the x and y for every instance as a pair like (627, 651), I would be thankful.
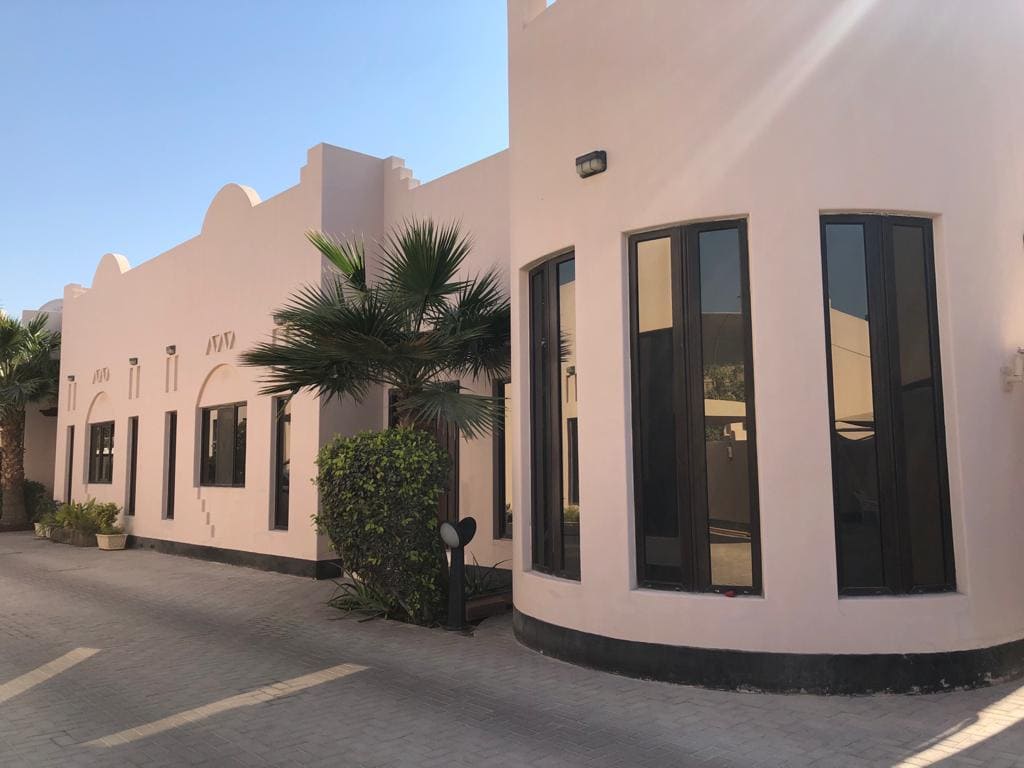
(820, 673)
(314, 569)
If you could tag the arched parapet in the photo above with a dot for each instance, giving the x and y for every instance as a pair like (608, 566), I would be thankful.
(111, 267)
(229, 205)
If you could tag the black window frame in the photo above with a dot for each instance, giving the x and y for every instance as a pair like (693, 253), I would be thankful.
(210, 472)
(499, 457)
(546, 509)
(133, 465)
(894, 515)
(170, 462)
(101, 465)
(282, 475)
(691, 460)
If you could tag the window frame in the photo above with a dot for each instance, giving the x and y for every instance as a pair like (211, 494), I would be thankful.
(95, 474)
(499, 457)
(204, 434)
(282, 416)
(881, 306)
(688, 405)
(170, 463)
(546, 442)
(133, 465)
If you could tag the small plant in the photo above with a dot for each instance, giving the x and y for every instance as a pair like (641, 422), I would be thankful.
(482, 581)
(114, 529)
(89, 518)
(356, 597)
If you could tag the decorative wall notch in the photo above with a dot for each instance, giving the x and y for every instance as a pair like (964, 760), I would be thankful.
(220, 342)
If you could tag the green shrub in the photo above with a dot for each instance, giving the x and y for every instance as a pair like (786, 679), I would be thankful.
(38, 502)
(379, 493)
(90, 517)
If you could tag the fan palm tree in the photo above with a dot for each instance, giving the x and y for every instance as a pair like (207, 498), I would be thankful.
(413, 329)
(28, 374)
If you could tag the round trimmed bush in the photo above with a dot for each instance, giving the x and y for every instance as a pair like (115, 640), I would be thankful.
(379, 493)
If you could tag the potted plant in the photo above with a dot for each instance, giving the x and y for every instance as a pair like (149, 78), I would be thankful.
(44, 523)
(111, 536)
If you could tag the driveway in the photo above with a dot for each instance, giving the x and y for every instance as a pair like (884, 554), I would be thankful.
(141, 659)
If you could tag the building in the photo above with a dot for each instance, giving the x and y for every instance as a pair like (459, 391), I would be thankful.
(152, 392)
(772, 447)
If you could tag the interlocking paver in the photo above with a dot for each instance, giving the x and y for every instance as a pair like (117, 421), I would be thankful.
(180, 637)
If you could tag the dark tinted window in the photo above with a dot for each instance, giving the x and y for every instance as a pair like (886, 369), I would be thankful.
(222, 454)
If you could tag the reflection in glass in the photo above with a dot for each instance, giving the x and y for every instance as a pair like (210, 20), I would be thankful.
(724, 355)
(568, 417)
(922, 480)
(855, 460)
(656, 423)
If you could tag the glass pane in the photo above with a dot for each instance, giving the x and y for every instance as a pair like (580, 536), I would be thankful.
(238, 464)
(506, 392)
(568, 390)
(655, 417)
(723, 340)
(540, 464)
(855, 461)
(922, 480)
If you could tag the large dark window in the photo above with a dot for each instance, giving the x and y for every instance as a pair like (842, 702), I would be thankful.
(133, 464)
(553, 387)
(694, 457)
(889, 473)
(170, 461)
(282, 460)
(503, 506)
(101, 452)
(222, 456)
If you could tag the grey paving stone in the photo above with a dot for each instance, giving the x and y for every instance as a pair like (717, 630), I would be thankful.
(183, 636)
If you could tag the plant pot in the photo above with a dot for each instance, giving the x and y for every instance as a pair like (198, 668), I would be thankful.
(42, 530)
(111, 541)
(72, 537)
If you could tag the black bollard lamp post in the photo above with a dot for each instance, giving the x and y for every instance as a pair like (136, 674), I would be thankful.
(456, 536)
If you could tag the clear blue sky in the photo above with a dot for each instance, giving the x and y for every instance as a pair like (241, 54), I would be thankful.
(120, 119)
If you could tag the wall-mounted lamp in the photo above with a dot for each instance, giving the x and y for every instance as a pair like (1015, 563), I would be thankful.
(1014, 373)
(592, 163)
(170, 350)
(133, 361)
(71, 377)
(278, 321)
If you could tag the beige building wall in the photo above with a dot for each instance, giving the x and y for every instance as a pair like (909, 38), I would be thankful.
(211, 298)
(777, 113)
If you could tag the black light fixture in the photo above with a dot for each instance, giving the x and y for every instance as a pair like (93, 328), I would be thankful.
(171, 349)
(71, 377)
(456, 536)
(592, 163)
(133, 361)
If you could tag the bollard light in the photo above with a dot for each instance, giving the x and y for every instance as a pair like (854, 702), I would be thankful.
(456, 536)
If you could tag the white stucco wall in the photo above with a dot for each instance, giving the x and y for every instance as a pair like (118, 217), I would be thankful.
(212, 298)
(777, 113)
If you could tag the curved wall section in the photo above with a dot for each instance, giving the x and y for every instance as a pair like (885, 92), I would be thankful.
(776, 117)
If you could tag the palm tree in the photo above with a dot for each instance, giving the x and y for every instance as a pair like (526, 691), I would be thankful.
(416, 327)
(28, 374)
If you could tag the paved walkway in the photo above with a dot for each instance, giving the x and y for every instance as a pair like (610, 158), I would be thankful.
(140, 659)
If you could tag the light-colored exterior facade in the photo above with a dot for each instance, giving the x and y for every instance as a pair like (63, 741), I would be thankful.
(770, 116)
(164, 338)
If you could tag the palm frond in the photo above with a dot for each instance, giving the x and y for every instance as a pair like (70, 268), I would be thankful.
(348, 256)
(421, 262)
(438, 402)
